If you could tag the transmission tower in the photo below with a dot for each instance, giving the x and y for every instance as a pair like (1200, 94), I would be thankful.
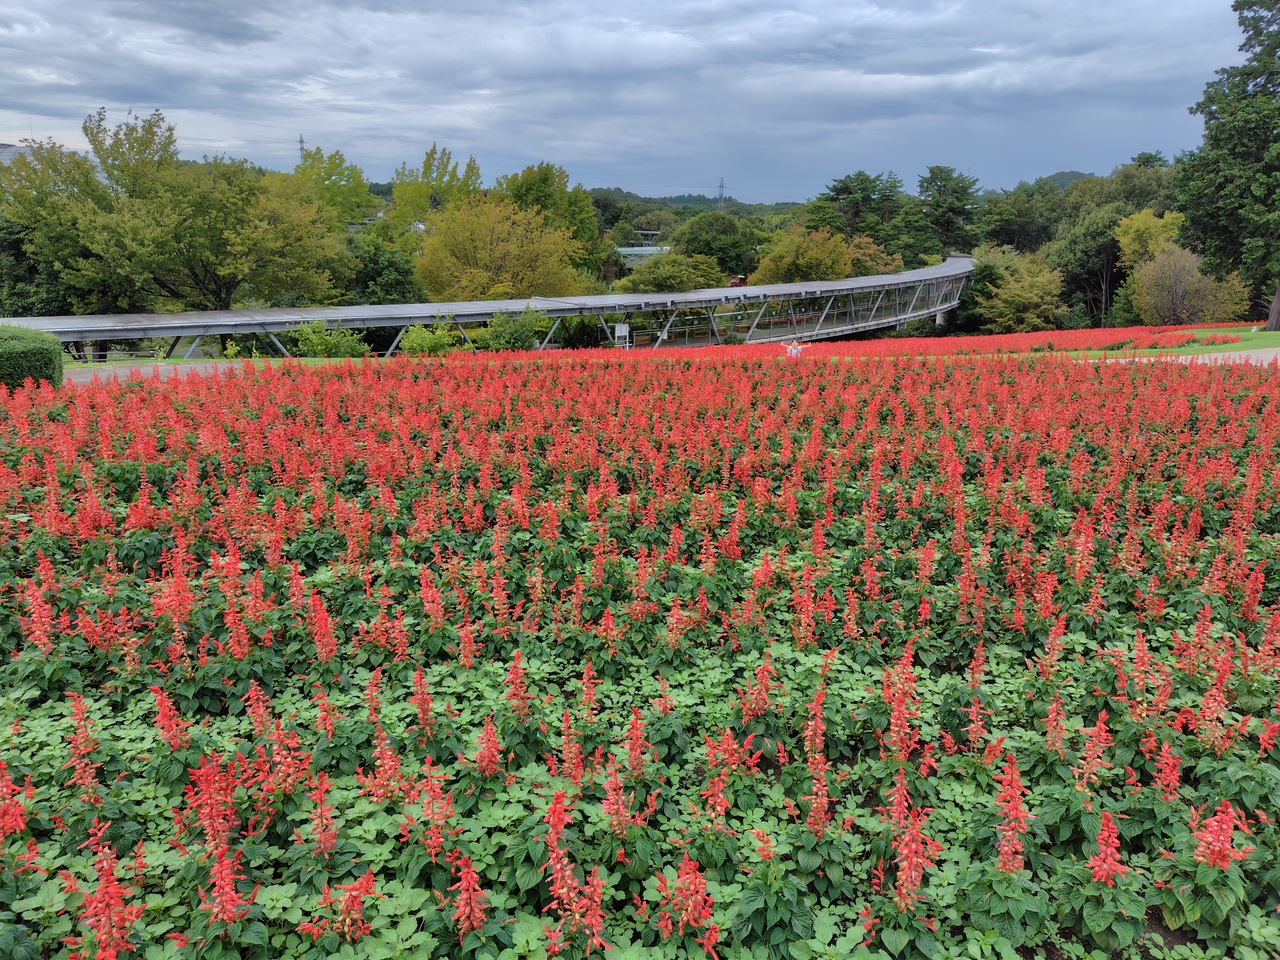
(720, 196)
(302, 149)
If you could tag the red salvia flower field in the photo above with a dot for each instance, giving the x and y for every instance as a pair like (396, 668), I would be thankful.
(880, 652)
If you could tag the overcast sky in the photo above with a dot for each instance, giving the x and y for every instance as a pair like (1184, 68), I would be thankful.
(656, 98)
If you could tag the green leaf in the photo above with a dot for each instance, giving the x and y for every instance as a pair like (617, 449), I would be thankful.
(895, 940)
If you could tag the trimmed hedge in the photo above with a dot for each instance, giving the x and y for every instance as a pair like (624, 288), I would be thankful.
(29, 353)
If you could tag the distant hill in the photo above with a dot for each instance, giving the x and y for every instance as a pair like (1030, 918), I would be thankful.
(1064, 178)
(689, 202)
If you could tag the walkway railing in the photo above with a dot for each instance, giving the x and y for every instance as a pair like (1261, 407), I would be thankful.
(758, 314)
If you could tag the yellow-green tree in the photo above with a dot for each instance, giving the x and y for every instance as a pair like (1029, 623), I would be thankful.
(338, 185)
(1143, 235)
(797, 254)
(437, 185)
(493, 249)
(545, 187)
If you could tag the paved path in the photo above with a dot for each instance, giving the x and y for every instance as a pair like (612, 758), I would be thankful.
(1261, 355)
(108, 371)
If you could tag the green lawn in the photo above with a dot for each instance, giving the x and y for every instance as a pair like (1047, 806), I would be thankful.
(1250, 339)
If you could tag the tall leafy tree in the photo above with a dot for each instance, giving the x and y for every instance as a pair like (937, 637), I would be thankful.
(950, 200)
(911, 236)
(436, 185)
(1024, 218)
(1229, 188)
(866, 201)
(1086, 254)
(544, 187)
(339, 185)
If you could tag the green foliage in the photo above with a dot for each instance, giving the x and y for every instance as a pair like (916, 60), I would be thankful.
(337, 184)
(797, 254)
(511, 331)
(731, 242)
(29, 353)
(911, 236)
(1024, 296)
(314, 339)
(28, 287)
(1230, 187)
(1086, 253)
(866, 201)
(436, 185)
(950, 199)
(129, 227)
(672, 273)
(1143, 235)
(431, 340)
(875, 206)
(545, 188)
(820, 213)
(385, 273)
(1024, 218)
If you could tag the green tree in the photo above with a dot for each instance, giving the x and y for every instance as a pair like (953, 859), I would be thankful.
(797, 254)
(1150, 159)
(950, 200)
(1169, 288)
(1229, 188)
(384, 274)
(339, 185)
(866, 201)
(491, 249)
(130, 227)
(545, 188)
(672, 273)
(28, 287)
(283, 251)
(1087, 252)
(1027, 298)
(823, 213)
(1024, 218)
(731, 242)
(910, 236)
(436, 185)
(991, 264)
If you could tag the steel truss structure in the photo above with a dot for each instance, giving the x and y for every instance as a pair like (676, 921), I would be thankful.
(757, 314)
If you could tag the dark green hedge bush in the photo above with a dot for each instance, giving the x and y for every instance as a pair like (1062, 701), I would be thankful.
(29, 353)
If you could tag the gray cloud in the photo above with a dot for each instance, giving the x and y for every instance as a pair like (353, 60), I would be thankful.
(778, 101)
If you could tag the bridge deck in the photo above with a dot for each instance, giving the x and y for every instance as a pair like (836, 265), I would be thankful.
(767, 313)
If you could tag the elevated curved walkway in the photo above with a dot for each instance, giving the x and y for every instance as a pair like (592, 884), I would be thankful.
(760, 314)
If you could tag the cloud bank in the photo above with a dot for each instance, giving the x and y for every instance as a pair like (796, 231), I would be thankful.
(653, 99)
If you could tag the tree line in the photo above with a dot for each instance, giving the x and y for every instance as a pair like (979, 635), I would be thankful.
(129, 226)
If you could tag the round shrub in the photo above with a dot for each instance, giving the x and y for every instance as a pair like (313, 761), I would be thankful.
(29, 353)
(432, 341)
